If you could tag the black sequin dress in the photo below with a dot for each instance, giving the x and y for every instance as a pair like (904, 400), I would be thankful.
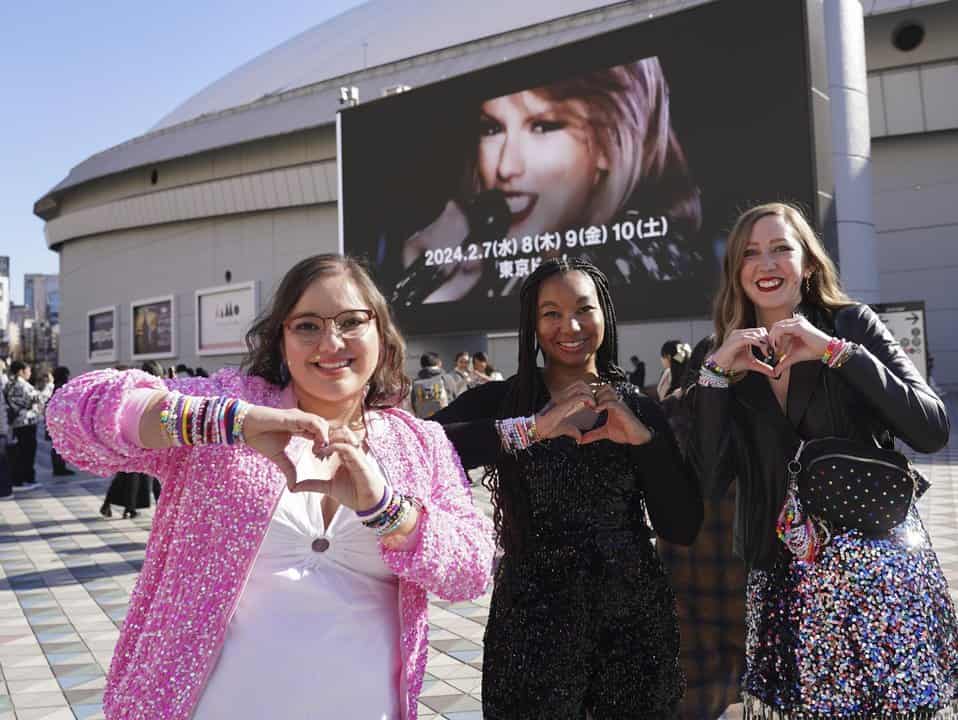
(583, 618)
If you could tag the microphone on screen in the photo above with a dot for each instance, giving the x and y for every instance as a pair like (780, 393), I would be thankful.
(488, 216)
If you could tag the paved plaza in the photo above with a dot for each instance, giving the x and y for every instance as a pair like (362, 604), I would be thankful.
(66, 574)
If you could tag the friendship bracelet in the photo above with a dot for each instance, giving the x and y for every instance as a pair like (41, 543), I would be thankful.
(196, 420)
(383, 501)
(712, 379)
(842, 357)
(714, 368)
(835, 346)
(404, 507)
(517, 433)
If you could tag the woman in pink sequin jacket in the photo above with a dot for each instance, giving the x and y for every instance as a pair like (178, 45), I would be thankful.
(262, 594)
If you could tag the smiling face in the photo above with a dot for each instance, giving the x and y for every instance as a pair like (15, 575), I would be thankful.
(570, 325)
(327, 369)
(542, 155)
(773, 266)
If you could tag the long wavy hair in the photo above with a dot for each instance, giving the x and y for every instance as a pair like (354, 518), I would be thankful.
(264, 341)
(733, 310)
(624, 112)
(527, 391)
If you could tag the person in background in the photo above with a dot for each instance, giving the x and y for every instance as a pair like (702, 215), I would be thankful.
(637, 376)
(482, 371)
(200, 372)
(6, 481)
(304, 520)
(26, 405)
(582, 619)
(131, 490)
(61, 376)
(432, 388)
(709, 583)
(460, 375)
(675, 354)
(182, 371)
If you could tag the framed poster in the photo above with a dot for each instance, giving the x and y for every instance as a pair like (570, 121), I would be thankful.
(153, 328)
(101, 335)
(223, 315)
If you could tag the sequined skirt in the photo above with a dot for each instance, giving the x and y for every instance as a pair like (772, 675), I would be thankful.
(866, 631)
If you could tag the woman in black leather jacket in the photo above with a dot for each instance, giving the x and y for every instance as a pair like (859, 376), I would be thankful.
(866, 628)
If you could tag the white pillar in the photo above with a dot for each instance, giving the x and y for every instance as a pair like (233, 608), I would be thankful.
(851, 147)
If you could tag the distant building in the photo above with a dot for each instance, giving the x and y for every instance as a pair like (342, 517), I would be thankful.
(4, 305)
(42, 294)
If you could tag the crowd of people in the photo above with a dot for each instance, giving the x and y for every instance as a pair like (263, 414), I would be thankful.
(661, 554)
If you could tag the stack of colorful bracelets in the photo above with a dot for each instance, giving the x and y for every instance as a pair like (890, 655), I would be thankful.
(192, 420)
(517, 433)
(713, 375)
(388, 515)
(838, 352)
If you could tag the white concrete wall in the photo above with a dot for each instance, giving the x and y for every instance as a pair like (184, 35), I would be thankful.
(180, 258)
(916, 222)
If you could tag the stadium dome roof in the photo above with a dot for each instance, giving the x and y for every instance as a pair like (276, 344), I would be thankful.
(375, 45)
(376, 33)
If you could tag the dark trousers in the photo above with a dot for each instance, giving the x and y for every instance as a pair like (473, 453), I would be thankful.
(6, 481)
(25, 455)
(59, 465)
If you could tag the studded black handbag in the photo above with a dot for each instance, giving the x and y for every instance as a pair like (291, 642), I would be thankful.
(847, 485)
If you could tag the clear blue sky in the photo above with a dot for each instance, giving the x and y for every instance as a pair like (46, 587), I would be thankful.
(79, 77)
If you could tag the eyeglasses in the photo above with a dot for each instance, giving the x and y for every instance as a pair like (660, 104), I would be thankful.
(348, 325)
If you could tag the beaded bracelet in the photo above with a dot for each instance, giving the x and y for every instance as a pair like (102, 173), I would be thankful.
(842, 357)
(391, 517)
(712, 379)
(714, 368)
(517, 433)
(191, 420)
(835, 346)
(837, 352)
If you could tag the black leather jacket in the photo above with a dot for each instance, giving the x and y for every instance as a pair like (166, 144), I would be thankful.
(741, 432)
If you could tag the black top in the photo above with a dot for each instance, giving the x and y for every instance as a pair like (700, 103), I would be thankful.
(741, 431)
(571, 489)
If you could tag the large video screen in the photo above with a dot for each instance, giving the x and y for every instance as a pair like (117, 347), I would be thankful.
(635, 149)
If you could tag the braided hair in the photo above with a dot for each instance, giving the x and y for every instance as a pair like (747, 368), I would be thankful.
(527, 392)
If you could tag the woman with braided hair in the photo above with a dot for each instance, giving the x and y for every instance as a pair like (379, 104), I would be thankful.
(582, 617)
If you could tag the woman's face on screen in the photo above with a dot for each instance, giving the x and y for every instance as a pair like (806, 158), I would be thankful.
(543, 157)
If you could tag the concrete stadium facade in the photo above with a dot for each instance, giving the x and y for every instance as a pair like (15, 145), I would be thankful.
(240, 182)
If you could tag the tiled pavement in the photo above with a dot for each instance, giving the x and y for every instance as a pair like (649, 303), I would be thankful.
(66, 575)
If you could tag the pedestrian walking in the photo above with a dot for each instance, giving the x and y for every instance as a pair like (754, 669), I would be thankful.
(25, 407)
(303, 520)
(849, 615)
(582, 618)
(61, 376)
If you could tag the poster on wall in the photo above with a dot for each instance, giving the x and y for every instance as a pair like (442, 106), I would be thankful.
(153, 328)
(223, 315)
(906, 321)
(635, 149)
(101, 337)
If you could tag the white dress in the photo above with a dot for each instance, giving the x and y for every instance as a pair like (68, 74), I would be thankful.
(316, 632)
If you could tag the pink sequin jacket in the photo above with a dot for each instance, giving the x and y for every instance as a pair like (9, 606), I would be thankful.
(213, 513)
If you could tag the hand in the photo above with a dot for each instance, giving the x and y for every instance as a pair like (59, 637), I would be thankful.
(797, 340)
(621, 426)
(269, 430)
(353, 481)
(555, 419)
(735, 354)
